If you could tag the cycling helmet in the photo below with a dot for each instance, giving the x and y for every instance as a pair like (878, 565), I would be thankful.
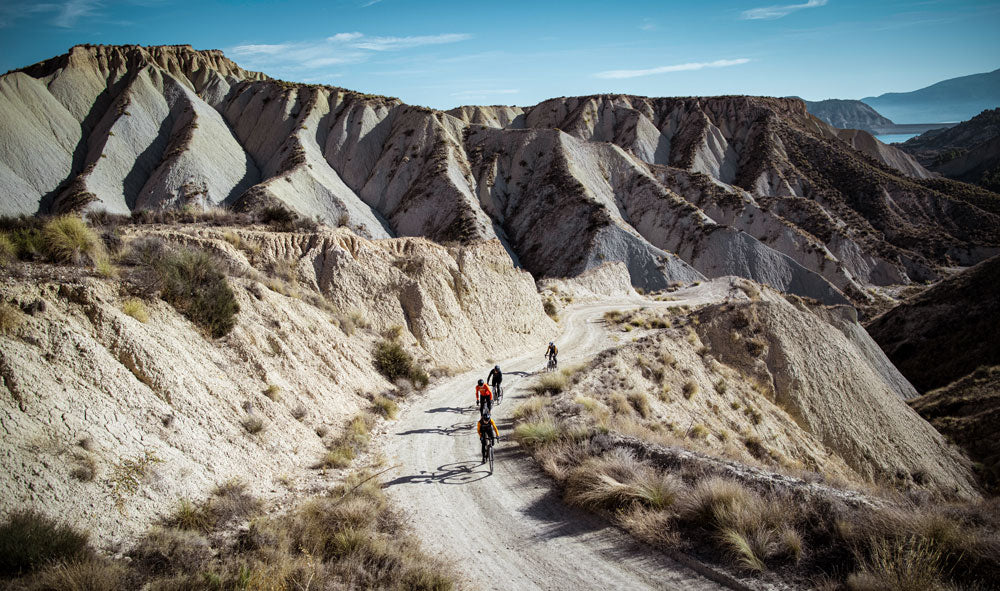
(551, 343)
(480, 382)
(486, 416)
(496, 367)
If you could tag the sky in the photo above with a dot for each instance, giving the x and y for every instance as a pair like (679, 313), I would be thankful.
(446, 53)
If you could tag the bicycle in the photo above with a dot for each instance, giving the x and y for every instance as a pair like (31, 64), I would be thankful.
(489, 453)
(552, 363)
(497, 394)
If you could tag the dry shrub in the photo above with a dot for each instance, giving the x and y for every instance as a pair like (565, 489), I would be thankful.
(352, 441)
(640, 402)
(273, 391)
(533, 408)
(10, 319)
(8, 252)
(67, 239)
(194, 283)
(550, 383)
(617, 480)
(690, 388)
(537, 432)
(167, 550)
(253, 424)
(619, 404)
(229, 501)
(385, 407)
(699, 431)
(392, 361)
(135, 308)
(907, 564)
(29, 540)
(93, 574)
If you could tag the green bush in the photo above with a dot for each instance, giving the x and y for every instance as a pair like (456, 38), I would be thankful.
(30, 540)
(193, 282)
(392, 361)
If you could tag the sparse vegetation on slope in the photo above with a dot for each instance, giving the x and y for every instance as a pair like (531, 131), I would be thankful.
(728, 476)
(348, 538)
(194, 283)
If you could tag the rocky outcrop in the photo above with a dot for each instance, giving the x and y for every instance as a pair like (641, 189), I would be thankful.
(676, 189)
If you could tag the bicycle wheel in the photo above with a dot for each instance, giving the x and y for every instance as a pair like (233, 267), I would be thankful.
(491, 459)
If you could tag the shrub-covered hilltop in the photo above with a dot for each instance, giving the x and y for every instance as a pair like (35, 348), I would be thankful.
(767, 436)
(149, 360)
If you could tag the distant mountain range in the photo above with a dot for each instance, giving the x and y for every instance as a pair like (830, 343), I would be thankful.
(849, 114)
(956, 99)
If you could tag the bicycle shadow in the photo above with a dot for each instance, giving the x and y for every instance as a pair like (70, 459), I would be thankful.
(454, 473)
(452, 409)
(450, 431)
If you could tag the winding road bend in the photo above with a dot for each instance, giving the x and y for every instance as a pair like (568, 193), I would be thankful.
(510, 530)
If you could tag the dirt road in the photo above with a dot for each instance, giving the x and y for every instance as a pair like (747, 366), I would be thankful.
(509, 530)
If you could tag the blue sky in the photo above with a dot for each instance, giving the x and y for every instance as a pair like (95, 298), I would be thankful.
(447, 53)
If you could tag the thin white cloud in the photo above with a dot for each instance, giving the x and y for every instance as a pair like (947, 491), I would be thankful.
(666, 69)
(340, 48)
(341, 37)
(74, 10)
(773, 12)
(648, 25)
(370, 3)
(259, 49)
(395, 43)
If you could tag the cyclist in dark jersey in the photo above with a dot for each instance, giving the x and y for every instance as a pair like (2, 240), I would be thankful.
(494, 379)
(487, 430)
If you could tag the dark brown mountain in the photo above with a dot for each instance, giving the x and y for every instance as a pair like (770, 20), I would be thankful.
(947, 331)
(968, 412)
(968, 152)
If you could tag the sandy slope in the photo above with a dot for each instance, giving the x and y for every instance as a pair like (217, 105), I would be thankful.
(510, 529)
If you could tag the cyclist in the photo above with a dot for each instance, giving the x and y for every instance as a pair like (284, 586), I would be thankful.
(484, 398)
(487, 429)
(494, 379)
(551, 352)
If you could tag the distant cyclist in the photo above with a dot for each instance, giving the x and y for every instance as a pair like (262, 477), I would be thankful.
(484, 398)
(487, 430)
(494, 379)
(551, 352)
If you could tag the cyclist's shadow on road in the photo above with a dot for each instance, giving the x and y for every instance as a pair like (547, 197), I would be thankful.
(454, 473)
(452, 409)
(450, 431)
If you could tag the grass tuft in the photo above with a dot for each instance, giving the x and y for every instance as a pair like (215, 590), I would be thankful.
(68, 239)
(537, 433)
(385, 407)
(550, 383)
(29, 540)
(10, 319)
(135, 308)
